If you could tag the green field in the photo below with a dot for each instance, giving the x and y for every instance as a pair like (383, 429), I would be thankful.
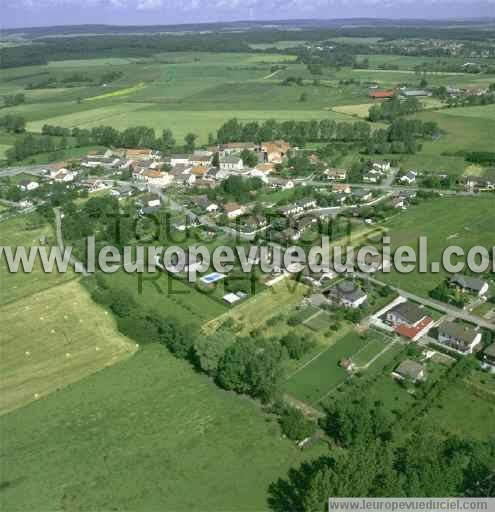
(26, 231)
(182, 91)
(168, 296)
(475, 396)
(448, 221)
(146, 434)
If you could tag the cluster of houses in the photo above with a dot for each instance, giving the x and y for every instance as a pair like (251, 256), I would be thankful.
(377, 172)
(197, 169)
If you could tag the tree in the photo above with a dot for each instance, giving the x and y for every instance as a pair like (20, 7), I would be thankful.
(349, 422)
(167, 141)
(210, 349)
(190, 140)
(296, 345)
(295, 425)
(249, 159)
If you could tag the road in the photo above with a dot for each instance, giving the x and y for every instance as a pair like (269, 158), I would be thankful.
(395, 188)
(435, 304)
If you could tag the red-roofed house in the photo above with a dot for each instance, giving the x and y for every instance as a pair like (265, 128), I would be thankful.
(381, 95)
(409, 320)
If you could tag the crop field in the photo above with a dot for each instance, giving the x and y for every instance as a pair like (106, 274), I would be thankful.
(359, 110)
(185, 92)
(65, 337)
(146, 434)
(444, 222)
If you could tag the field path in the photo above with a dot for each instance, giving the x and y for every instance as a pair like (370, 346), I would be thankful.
(271, 74)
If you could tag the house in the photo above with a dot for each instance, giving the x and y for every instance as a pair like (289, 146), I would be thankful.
(63, 175)
(231, 163)
(265, 168)
(200, 160)
(233, 210)
(489, 355)
(348, 294)
(397, 202)
(199, 171)
(479, 183)
(275, 151)
(342, 188)
(381, 95)
(212, 207)
(461, 337)
(333, 174)
(307, 203)
(469, 284)
(232, 148)
(409, 320)
(290, 209)
(362, 194)
(158, 178)
(139, 154)
(317, 300)
(28, 185)
(409, 178)
(371, 177)
(149, 200)
(281, 184)
(410, 370)
(382, 165)
(179, 160)
(231, 298)
(122, 191)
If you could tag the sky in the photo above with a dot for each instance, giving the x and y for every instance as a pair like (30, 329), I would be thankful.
(28, 13)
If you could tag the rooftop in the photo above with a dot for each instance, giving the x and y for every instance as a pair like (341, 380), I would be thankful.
(462, 332)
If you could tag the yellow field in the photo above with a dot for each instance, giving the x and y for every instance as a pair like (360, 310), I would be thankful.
(474, 170)
(54, 338)
(120, 92)
(360, 110)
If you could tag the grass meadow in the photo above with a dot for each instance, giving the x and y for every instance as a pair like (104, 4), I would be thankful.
(448, 221)
(146, 434)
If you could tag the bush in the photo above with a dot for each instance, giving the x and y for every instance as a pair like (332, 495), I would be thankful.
(295, 425)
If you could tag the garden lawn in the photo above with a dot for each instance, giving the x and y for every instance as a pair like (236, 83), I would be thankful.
(317, 379)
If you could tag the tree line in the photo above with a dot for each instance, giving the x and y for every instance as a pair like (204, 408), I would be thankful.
(393, 108)
(399, 137)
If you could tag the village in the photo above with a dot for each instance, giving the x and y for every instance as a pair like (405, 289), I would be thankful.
(245, 191)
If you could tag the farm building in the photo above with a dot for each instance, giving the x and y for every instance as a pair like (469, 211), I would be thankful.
(381, 95)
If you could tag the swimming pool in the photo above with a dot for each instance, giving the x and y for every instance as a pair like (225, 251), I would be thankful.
(212, 278)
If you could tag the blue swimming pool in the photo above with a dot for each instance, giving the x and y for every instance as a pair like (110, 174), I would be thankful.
(212, 278)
